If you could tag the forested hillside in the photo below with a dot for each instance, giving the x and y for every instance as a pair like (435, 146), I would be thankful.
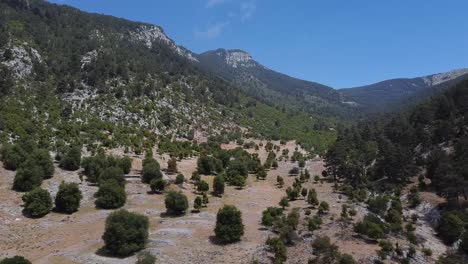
(83, 78)
(427, 145)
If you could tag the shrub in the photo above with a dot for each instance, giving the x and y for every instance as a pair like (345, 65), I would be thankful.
(197, 203)
(294, 171)
(450, 227)
(172, 165)
(229, 227)
(279, 249)
(37, 202)
(110, 195)
(203, 186)
(145, 258)
(176, 202)
(323, 208)
(386, 248)
(271, 215)
(68, 198)
(218, 185)
(314, 223)
(205, 199)
(72, 159)
(179, 179)
(125, 232)
(12, 156)
(292, 193)
(27, 178)
(371, 226)
(451, 258)
(322, 244)
(312, 198)
(42, 159)
(15, 260)
(114, 173)
(157, 185)
(151, 171)
(378, 205)
(347, 259)
(261, 174)
(238, 181)
(279, 181)
(284, 202)
(126, 164)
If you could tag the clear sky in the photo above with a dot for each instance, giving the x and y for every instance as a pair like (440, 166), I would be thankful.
(340, 43)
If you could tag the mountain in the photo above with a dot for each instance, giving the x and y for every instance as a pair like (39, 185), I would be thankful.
(390, 94)
(238, 67)
(70, 76)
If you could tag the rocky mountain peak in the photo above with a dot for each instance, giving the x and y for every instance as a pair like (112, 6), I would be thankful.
(444, 77)
(237, 58)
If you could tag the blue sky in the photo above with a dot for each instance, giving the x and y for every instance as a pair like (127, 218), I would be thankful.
(335, 42)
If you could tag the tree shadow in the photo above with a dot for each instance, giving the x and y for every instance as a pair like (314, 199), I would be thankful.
(171, 214)
(103, 252)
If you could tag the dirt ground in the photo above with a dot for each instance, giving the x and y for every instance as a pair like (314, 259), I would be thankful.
(76, 238)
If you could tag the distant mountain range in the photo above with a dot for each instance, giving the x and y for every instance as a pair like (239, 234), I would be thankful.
(390, 94)
(239, 67)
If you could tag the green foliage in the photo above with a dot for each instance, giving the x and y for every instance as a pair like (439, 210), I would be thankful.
(197, 203)
(280, 181)
(179, 179)
(27, 178)
(172, 165)
(450, 227)
(72, 159)
(145, 258)
(202, 186)
(68, 198)
(151, 171)
(323, 207)
(229, 227)
(37, 202)
(451, 258)
(312, 198)
(314, 223)
(271, 215)
(15, 260)
(112, 173)
(284, 202)
(279, 249)
(372, 227)
(176, 202)
(463, 247)
(125, 232)
(158, 185)
(110, 195)
(378, 204)
(218, 185)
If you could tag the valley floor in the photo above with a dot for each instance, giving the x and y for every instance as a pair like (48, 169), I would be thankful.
(76, 238)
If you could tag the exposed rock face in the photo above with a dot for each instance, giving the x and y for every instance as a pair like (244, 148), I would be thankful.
(88, 57)
(22, 59)
(444, 77)
(239, 58)
(149, 34)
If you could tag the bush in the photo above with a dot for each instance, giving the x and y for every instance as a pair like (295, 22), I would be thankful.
(294, 171)
(312, 198)
(176, 202)
(15, 260)
(314, 223)
(322, 244)
(203, 186)
(126, 164)
(218, 185)
(450, 227)
(323, 208)
(271, 215)
(347, 259)
(37, 202)
(197, 203)
(112, 173)
(179, 179)
(378, 205)
(229, 227)
(27, 178)
(172, 165)
(110, 195)
(279, 249)
(284, 202)
(125, 232)
(157, 185)
(238, 181)
(72, 159)
(151, 171)
(42, 159)
(68, 198)
(145, 258)
(371, 226)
